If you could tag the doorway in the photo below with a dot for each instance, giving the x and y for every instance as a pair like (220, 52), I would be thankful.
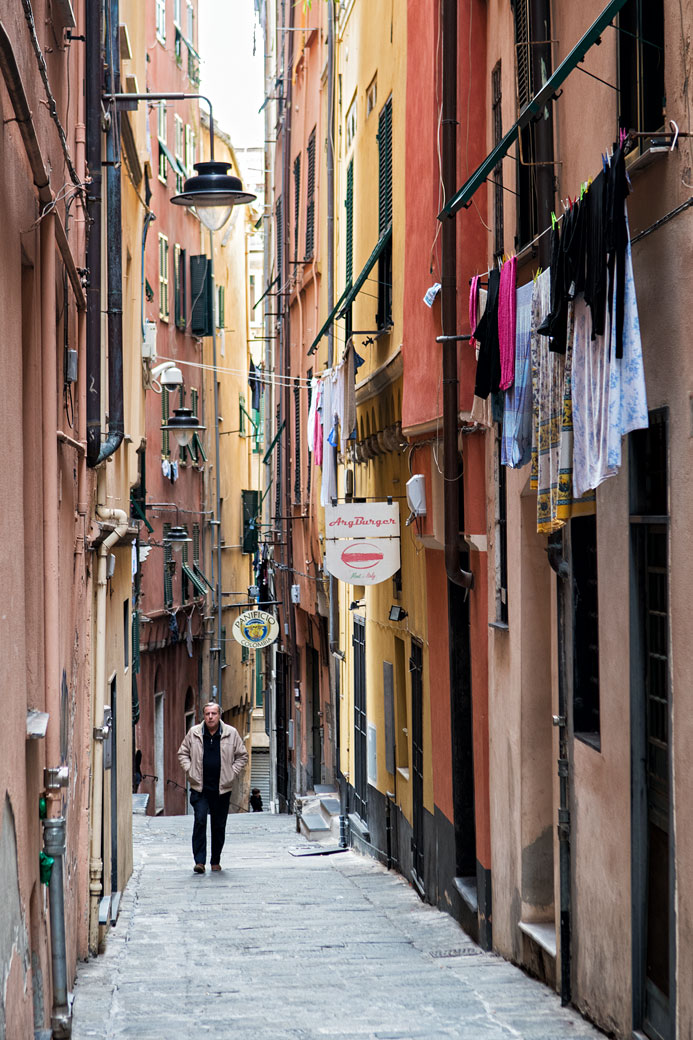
(159, 753)
(360, 784)
(313, 750)
(417, 841)
(113, 737)
(654, 950)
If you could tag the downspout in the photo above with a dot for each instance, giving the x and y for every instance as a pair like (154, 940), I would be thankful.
(93, 122)
(334, 598)
(114, 250)
(56, 774)
(451, 475)
(100, 726)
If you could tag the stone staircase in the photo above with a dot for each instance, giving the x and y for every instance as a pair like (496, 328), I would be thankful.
(317, 814)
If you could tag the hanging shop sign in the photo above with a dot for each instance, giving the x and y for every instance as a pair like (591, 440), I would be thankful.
(255, 629)
(362, 542)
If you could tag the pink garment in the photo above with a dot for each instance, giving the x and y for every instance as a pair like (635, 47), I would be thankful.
(474, 307)
(507, 321)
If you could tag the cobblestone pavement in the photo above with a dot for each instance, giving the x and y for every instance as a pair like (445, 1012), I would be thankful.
(276, 947)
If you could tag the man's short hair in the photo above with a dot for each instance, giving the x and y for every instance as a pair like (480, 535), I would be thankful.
(211, 704)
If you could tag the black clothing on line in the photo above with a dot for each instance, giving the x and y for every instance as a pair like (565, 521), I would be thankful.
(595, 254)
(216, 806)
(617, 239)
(554, 324)
(488, 366)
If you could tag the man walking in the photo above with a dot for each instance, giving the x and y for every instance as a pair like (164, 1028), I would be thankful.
(212, 754)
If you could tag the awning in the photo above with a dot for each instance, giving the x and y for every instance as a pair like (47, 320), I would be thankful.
(193, 578)
(532, 109)
(351, 292)
(172, 161)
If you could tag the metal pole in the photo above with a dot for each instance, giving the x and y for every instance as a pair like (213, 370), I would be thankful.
(217, 455)
(54, 846)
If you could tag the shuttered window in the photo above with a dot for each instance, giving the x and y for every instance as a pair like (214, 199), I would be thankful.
(297, 440)
(526, 189)
(297, 201)
(309, 376)
(349, 245)
(201, 303)
(163, 278)
(280, 244)
(278, 484)
(185, 583)
(168, 577)
(498, 226)
(384, 315)
(310, 198)
(179, 259)
(221, 306)
(196, 544)
(165, 447)
(161, 136)
(251, 505)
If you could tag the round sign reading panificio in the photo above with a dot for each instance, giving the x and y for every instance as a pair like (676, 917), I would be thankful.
(255, 629)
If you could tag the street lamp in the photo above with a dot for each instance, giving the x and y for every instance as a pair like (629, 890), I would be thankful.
(176, 537)
(183, 424)
(212, 193)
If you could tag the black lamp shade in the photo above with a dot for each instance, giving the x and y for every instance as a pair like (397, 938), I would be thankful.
(213, 188)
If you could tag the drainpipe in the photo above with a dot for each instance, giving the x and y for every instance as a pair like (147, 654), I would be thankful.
(101, 729)
(451, 474)
(93, 87)
(114, 250)
(56, 774)
(334, 598)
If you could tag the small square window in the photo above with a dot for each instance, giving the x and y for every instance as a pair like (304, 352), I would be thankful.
(350, 124)
(371, 96)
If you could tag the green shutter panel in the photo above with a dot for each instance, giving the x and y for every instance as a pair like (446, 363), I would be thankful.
(310, 198)
(350, 223)
(297, 440)
(196, 544)
(385, 167)
(168, 577)
(185, 584)
(202, 304)
(297, 201)
(136, 642)
(280, 244)
(165, 449)
(250, 501)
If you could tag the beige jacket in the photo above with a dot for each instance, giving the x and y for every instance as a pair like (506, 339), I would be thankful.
(234, 756)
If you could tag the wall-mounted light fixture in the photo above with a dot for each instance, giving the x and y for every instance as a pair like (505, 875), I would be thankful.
(397, 613)
(183, 424)
(356, 603)
(176, 537)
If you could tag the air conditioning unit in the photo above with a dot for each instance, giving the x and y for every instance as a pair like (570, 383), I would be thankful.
(149, 341)
(416, 494)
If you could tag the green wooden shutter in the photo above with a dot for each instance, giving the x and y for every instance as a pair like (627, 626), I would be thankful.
(185, 584)
(280, 244)
(385, 167)
(136, 642)
(201, 303)
(310, 198)
(250, 500)
(196, 544)
(349, 203)
(165, 449)
(168, 577)
(297, 201)
(297, 440)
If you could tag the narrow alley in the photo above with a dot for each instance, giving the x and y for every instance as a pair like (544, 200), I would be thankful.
(280, 946)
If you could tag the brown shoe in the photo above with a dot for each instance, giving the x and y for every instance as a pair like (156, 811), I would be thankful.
(199, 868)
(216, 866)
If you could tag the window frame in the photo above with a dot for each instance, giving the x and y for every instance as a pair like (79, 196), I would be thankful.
(164, 300)
(161, 21)
(161, 133)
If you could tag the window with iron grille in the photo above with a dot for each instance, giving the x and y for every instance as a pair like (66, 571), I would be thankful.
(583, 540)
(163, 278)
(280, 245)
(497, 97)
(168, 575)
(297, 201)
(501, 535)
(641, 95)
(297, 440)
(179, 286)
(165, 444)
(384, 315)
(526, 181)
(310, 198)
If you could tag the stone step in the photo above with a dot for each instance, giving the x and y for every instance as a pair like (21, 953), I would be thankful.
(313, 825)
(330, 805)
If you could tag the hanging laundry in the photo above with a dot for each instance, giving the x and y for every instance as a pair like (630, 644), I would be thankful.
(318, 437)
(609, 395)
(328, 487)
(568, 506)
(473, 307)
(617, 192)
(255, 386)
(595, 254)
(506, 321)
(488, 368)
(554, 324)
(547, 393)
(310, 431)
(481, 407)
(348, 416)
(516, 446)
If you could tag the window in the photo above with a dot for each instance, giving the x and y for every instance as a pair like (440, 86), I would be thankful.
(179, 257)
(161, 21)
(179, 149)
(161, 134)
(280, 244)
(349, 246)
(176, 13)
(165, 444)
(350, 124)
(190, 26)
(384, 315)
(241, 415)
(641, 65)
(310, 197)
(526, 182)
(501, 535)
(297, 201)
(196, 544)
(190, 151)
(297, 440)
(221, 306)
(163, 278)
(583, 538)
(498, 228)
(252, 291)
(371, 96)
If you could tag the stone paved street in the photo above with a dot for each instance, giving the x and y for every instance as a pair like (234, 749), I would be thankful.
(281, 947)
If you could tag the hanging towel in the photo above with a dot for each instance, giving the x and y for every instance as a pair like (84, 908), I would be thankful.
(547, 391)
(318, 431)
(516, 447)
(310, 432)
(481, 407)
(506, 322)
(488, 370)
(348, 417)
(328, 487)
(568, 505)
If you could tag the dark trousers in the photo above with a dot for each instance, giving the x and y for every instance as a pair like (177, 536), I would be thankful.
(209, 803)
